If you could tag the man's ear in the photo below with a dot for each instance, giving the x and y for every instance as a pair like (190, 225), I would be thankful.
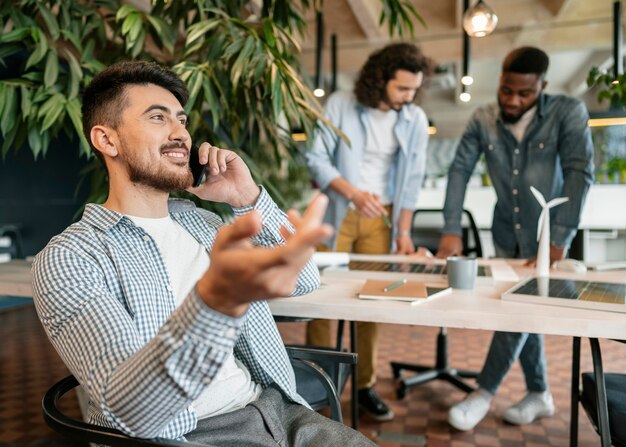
(104, 140)
(420, 78)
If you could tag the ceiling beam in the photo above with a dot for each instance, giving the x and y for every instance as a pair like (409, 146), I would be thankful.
(367, 13)
(577, 84)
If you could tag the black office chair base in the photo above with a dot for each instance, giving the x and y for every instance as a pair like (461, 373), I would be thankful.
(427, 374)
(440, 371)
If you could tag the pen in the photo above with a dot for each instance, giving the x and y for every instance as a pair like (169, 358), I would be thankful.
(394, 285)
(387, 221)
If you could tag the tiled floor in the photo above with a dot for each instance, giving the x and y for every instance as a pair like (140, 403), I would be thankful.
(29, 365)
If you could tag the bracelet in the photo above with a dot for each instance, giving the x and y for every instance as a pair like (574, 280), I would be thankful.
(403, 233)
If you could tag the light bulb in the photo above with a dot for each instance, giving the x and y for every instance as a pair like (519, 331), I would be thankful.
(479, 20)
(465, 97)
(467, 80)
(319, 92)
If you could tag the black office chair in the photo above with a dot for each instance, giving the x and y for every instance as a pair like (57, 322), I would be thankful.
(345, 372)
(602, 395)
(320, 386)
(426, 232)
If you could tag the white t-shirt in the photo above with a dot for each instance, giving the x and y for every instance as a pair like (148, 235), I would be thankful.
(519, 129)
(186, 261)
(380, 149)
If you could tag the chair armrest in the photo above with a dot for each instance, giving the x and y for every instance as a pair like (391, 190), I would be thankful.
(84, 431)
(299, 353)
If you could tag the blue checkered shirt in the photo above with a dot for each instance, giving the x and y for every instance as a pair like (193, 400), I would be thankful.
(103, 295)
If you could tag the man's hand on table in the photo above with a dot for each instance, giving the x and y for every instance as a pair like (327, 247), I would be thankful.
(450, 245)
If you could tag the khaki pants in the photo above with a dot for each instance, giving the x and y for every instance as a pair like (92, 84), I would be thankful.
(364, 235)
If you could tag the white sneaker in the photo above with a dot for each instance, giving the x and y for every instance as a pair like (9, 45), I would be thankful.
(465, 415)
(533, 406)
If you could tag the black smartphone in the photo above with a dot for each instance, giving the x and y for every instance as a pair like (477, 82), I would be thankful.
(197, 169)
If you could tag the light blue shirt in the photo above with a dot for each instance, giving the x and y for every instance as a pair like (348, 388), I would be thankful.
(555, 156)
(330, 157)
(103, 295)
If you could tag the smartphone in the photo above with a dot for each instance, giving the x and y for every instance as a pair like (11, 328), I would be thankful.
(197, 169)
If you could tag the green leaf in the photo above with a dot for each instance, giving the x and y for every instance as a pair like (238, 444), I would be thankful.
(136, 28)
(9, 138)
(194, 85)
(51, 72)
(26, 104)
(16, 35)
(124, 11)
(138, 44)
(39, 53)
(129, 22)
(8, 119)
(51, 21)
(8, 50)
(211, 98)
(76, 74)
(34, 140)
(72, 38)
(198, 30)
(51, 110)
(73, 111)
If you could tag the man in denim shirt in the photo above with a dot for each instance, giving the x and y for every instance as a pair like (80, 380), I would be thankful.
(529, 139)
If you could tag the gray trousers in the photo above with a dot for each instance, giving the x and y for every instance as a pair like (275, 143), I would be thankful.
(272, 420)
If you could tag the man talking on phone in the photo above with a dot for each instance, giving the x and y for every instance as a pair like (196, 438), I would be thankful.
(155, 305)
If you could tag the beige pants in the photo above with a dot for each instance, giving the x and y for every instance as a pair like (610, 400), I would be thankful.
(364, 235)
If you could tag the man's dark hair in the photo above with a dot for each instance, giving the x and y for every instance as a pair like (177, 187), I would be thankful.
(526, 60)
(381, 67)
(104, 98)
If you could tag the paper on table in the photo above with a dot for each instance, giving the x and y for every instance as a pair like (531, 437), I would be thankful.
(326, 258)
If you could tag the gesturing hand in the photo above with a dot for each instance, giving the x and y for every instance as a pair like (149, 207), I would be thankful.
(240, 273)
(228, 178)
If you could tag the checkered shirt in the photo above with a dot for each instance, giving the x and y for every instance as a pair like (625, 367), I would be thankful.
(104, 297)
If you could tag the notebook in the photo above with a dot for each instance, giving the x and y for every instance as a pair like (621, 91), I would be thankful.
(411, 291)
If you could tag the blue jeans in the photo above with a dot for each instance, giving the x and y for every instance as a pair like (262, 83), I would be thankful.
(506, 347)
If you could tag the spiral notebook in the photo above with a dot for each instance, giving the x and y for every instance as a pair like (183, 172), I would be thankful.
(411, 291)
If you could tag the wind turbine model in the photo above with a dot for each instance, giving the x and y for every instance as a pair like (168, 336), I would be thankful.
(543, 231)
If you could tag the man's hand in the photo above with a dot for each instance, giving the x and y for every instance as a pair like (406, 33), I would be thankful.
(556, 254)
(450, 245)
(404, 245)
(240, 273)
(228, 179)
(368, 204)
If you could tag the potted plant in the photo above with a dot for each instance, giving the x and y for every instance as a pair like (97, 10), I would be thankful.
(238, 60)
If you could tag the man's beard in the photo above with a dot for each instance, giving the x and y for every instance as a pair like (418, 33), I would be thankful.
(156, 176)
(396, 107)
(510, 119)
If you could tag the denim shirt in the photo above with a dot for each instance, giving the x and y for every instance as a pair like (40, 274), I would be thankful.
(331, 157)
(555, 156)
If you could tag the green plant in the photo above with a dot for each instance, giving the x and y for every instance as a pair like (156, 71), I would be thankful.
(246, 89)
(611, 88)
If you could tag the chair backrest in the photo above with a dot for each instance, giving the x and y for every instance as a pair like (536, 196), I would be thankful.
(428, 223)
(321, 374)
(601, 396)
